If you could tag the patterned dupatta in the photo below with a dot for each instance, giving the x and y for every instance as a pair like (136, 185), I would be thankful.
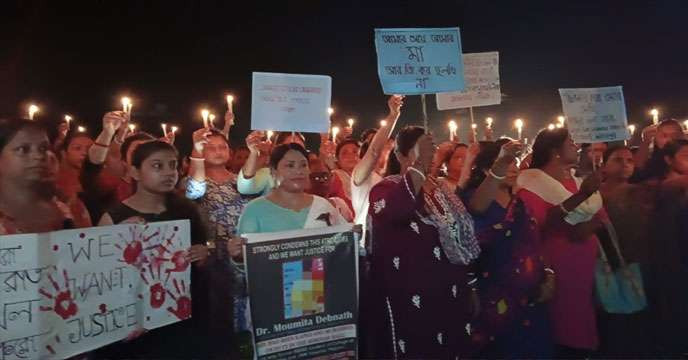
(446, 212)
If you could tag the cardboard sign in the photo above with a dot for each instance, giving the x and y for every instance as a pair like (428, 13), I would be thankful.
(481, 72)
(303, 293)
(419, 61)
(595, 115)
(291, 102)
(68, 292)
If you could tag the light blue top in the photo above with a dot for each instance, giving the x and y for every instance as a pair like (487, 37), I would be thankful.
(262, 215)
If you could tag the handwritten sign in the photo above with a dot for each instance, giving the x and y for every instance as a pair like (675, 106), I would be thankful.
(481, 71)
(303, 293)
(291, 102)
(595, 115)
(68, 292)
(419, 61)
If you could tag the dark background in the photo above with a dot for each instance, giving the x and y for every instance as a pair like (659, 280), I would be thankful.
(173, 58)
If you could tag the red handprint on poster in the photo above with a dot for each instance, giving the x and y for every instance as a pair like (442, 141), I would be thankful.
(183, 309)
(63, 304)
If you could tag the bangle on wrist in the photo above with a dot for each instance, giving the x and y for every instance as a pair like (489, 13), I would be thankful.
(411, 168)
(497, 177)
(196, 158)
(549, 271)
(101, 145)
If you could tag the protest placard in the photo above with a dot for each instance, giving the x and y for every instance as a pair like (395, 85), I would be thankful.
(481, 73)
(68, 292)
(303, 289)
(595, 115)
(290, 102)
(419, 61)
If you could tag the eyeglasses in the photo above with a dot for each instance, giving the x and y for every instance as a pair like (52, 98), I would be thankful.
(320, 176)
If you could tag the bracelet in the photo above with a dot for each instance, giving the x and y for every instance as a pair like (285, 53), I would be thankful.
(196, 159)
(417, 172)
(101, 145)
(491, 173)
(550, 271)
(561, 206)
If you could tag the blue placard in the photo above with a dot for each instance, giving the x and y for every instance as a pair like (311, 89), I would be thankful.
(419, 61)
(290, 102)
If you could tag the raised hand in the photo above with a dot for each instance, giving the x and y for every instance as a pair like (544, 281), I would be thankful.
(199, 138)
(395, 102)
(113, 120)
(255, 142)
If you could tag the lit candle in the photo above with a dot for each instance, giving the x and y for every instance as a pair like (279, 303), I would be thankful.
(489, 121)
(270, 133)
(68, 119)
(519, 125)
(551, 127)
(33, 109)
(132, 127)
(205, 113)
(655, 116)
(452, 129)
(126, 105)
(335, 132)
(383, 123)
(330, 111)
(474, 126)
(174, 129)
(559, 125)
(631, 129)
(164, 129)
(561, 119)
(211, 117)
(351, 123)
(81, 129)
(230, 100)
(685, 123)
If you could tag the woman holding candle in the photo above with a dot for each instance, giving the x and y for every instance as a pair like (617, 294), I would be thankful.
(101, 188)
(423, 243)
(213, 187)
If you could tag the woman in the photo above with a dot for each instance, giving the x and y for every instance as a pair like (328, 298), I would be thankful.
(347, 158)
(288, 206)
(649, 159)
(669, 256)
(73, 151)
(154, 169)
(27, 181)
(423, 242)
(321, 185)
(514, 283)
(630, 208)
(213, 187)
(568, 212)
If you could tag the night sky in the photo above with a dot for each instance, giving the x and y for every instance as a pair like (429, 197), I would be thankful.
(173, 58)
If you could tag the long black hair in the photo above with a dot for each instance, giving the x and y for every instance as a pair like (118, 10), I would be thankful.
(546, 142)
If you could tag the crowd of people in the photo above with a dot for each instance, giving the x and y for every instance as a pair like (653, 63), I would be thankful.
(490, 249)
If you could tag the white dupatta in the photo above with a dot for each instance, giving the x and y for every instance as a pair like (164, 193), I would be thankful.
(553, 192)
(322, 214)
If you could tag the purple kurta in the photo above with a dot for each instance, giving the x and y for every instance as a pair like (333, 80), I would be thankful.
(423, 296)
